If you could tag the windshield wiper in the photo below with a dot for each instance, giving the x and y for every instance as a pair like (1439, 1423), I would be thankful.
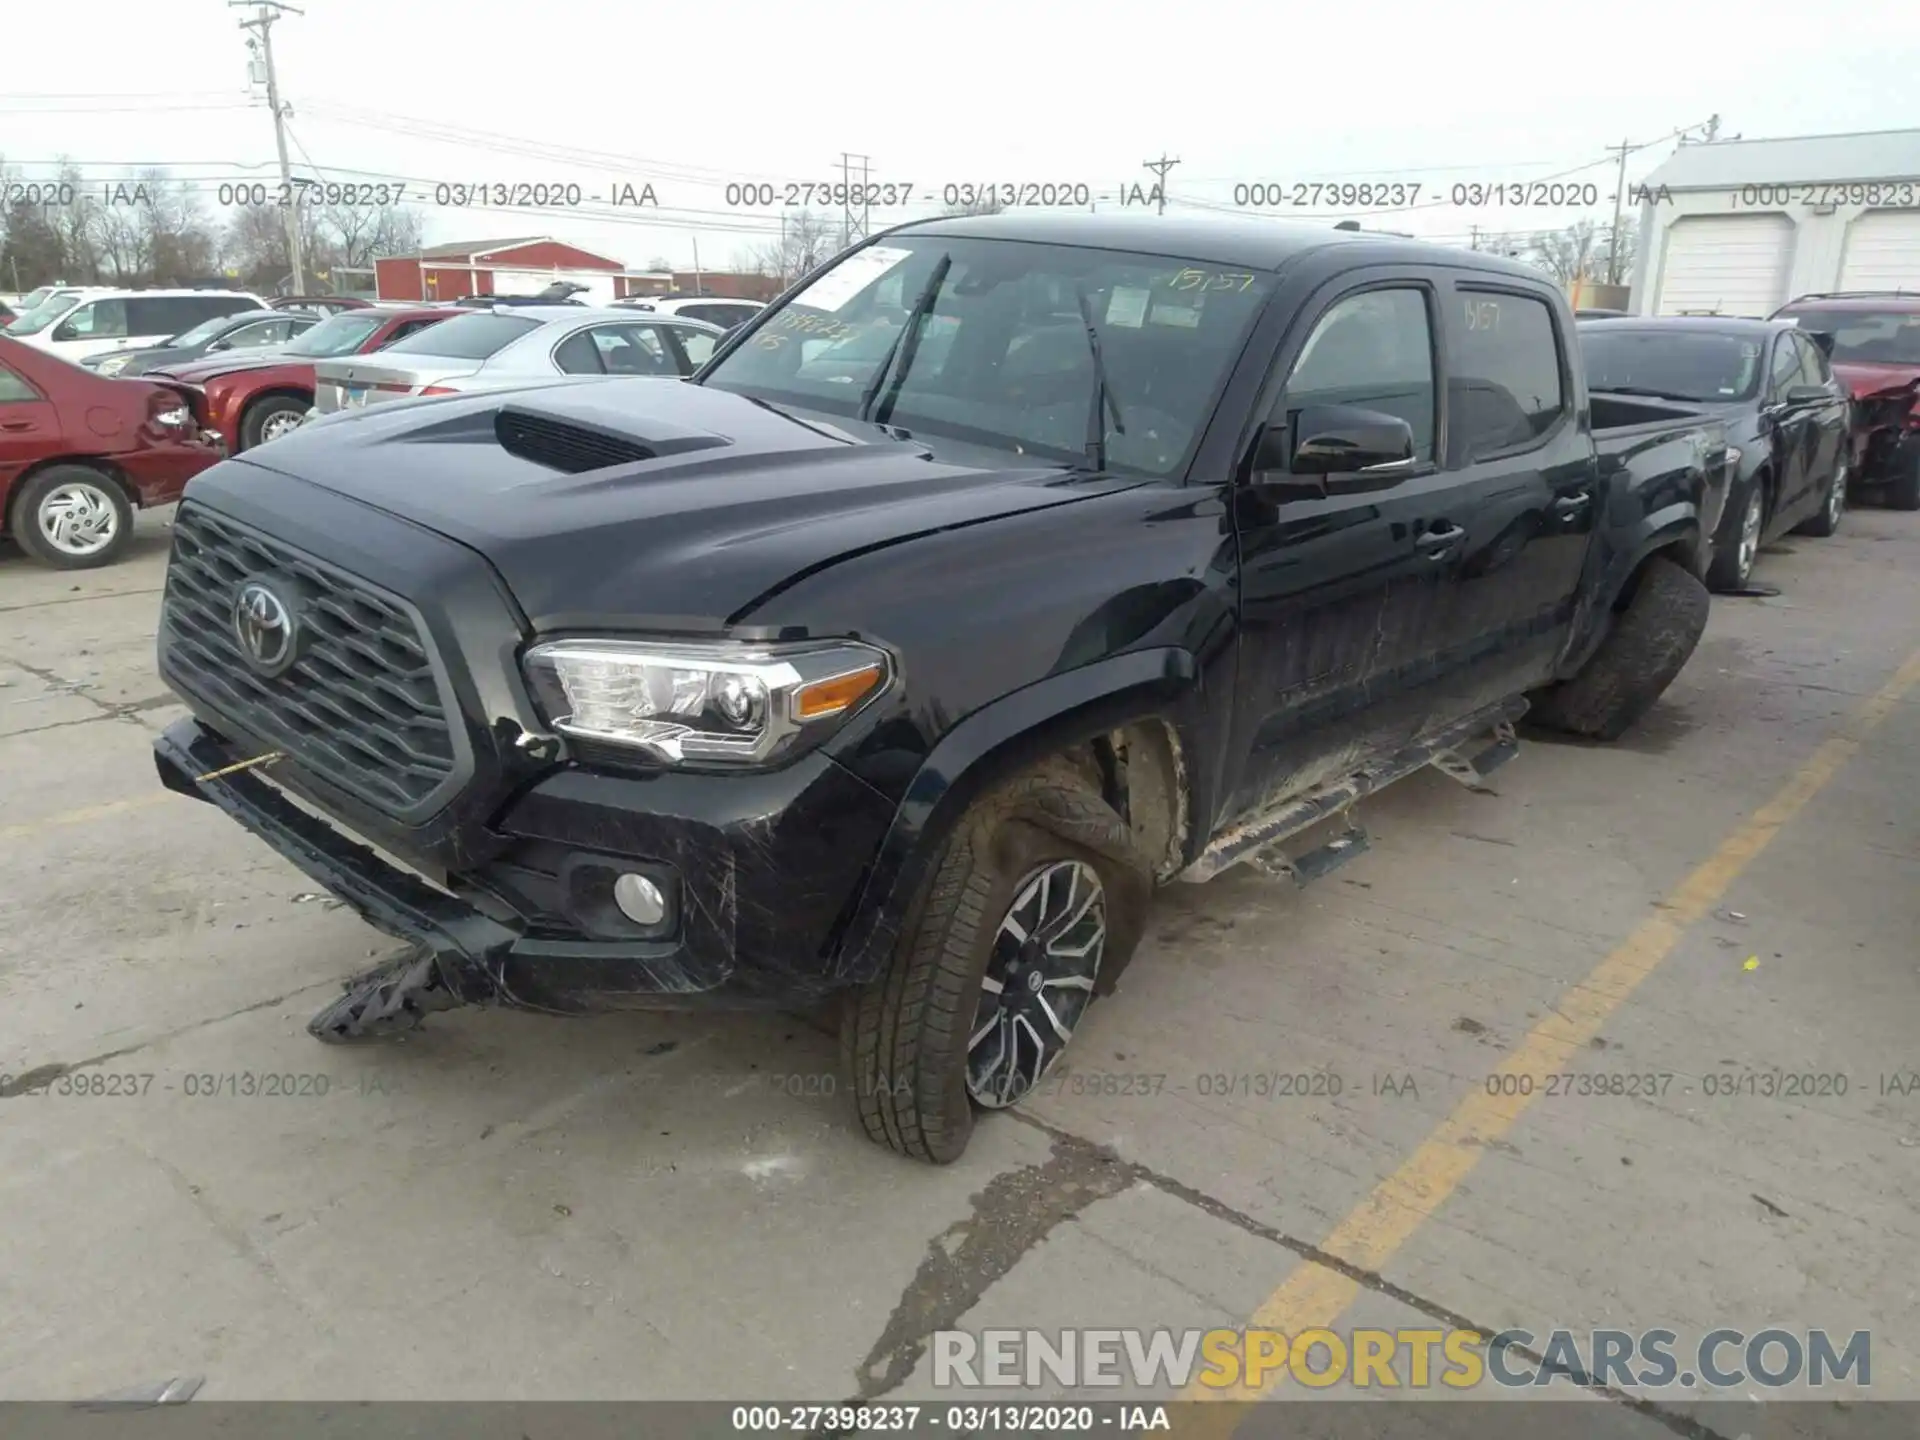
(1645, 391)
(1103, 400)
(904, 345)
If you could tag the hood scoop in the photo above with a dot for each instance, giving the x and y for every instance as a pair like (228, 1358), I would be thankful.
(575, 448)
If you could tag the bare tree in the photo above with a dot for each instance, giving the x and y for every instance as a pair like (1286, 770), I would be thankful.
(806, 241)
(356, 236)
(1575, 253)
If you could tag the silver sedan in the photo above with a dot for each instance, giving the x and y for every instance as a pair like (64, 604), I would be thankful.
(509, 345)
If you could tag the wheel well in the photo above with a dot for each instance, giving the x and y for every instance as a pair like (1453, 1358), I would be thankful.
(95, 463)
(1140, 770)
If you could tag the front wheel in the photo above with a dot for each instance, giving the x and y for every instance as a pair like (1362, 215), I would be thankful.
(271, 418)
(1032, 910)
(72, 517)
(1827, 522)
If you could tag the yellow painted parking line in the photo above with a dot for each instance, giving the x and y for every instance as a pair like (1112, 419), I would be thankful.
(1313, 1295)
(31, 828)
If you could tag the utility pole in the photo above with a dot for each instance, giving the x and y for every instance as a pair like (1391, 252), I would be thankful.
(1712, 127)
(1160, 168)
(699, 281)
(1473, 242)
(266, 12)
(848, 224)
(1619, 214)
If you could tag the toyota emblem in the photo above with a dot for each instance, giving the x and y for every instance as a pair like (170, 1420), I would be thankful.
(264, 625)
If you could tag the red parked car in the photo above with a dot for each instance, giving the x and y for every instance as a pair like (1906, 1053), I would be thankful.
(79, 451)
(1872, 339)
(251, 397)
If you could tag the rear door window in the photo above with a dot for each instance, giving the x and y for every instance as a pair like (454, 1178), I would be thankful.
(1505, 387)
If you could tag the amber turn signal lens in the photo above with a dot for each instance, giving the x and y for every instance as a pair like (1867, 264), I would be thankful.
(830, 697)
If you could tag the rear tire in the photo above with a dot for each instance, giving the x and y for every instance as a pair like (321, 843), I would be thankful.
(72, 517)
(271, 418)
(1737, 546)
(1832, 506)
(913, 1046)
(1904, 493)
(1650, 642)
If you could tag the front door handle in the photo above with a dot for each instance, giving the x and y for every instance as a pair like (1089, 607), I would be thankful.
(1440, 541)
(1568, 506)
(16, 424)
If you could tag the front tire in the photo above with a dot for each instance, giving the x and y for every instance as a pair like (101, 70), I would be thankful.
(1034, 907)
(72, 517)
(1651, 640)
(271, 418)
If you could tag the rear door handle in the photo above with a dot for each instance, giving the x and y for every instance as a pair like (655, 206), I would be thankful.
(1441, 541)
(1568, 506)
(16, 424)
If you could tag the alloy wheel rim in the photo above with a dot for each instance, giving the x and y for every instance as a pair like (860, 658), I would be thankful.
(1038, 983)
(1750, 524)
(79, 519)
(274, 426)
(1837, 497)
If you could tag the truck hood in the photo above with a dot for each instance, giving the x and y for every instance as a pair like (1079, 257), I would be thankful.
(698, 503)
(1866, 377)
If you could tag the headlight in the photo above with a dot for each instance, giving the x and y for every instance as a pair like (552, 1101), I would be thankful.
(1733, 456)
(719, 703)
(113, 364)
(173, 417)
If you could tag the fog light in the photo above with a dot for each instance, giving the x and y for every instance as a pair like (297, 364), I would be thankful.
(639, 899)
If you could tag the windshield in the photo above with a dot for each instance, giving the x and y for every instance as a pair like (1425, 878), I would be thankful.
(35, 298)
(44, 314)
(342, 335)
(1870, 337)
(1004, 357)
(465, 337)
(202, 332)
(1686, 366)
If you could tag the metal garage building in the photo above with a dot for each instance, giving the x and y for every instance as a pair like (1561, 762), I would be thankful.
(1739, 227)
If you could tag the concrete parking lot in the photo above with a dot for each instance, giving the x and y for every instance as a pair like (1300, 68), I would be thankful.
(512, 1207)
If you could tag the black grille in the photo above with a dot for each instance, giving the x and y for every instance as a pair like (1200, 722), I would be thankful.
(565, 447)
(360, 709)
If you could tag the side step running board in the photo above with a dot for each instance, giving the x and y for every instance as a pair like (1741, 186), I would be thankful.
(1448, 750)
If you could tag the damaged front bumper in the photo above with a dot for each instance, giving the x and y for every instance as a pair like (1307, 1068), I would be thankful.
(762, 874)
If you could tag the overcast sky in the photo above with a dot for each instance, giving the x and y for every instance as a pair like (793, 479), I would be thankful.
(690, 97)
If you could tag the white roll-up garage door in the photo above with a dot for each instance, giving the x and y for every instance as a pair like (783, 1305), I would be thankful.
(1883, 251)
(1727, 264)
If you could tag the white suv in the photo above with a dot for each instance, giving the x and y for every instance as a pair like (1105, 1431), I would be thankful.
(92, 321)
(720, 310)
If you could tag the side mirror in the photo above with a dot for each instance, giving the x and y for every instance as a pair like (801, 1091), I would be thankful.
(221, 345)
(1807, 394)
(1334, 450)
(65, 331)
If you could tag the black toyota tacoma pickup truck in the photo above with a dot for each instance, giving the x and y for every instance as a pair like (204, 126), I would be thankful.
(1006, 569)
